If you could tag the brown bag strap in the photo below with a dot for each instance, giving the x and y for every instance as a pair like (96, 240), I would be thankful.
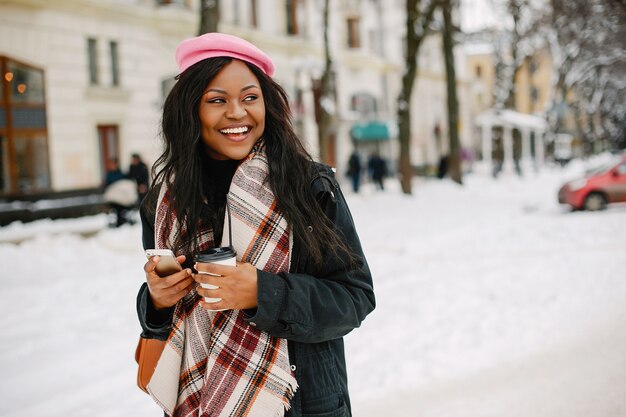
(147, 355)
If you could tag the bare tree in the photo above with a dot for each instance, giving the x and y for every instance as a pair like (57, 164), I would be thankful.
(209, 16)
(589, 58)
(515, 46)
(454, 160)
(599, 108)
(419, 16)
(325, 97)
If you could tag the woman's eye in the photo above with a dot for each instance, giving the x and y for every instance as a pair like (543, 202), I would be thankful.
(216, 100)
(250, 98)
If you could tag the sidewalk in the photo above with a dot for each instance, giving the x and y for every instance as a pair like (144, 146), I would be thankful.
(18, 232)
(585, 377)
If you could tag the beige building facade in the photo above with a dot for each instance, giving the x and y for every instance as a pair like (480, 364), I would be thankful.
(98, 72)
(102, 65)
(508, 139)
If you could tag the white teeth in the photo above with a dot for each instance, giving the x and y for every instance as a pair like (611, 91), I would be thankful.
(234, 131)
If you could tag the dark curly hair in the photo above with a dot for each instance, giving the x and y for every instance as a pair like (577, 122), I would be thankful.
(291, 167)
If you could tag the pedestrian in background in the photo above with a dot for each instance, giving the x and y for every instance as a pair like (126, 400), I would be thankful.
(113, 172)
(138, 171)
(119, 192)
(442, 167)
(354, 170)
(273, 344)
(377, 168)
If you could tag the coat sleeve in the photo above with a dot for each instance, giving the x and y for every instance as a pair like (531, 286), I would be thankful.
(327, 303)
(155, 324)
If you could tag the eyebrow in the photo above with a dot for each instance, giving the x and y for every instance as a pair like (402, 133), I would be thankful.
(217, 90)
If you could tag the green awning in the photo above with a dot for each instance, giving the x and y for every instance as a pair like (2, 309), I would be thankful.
(371, 131)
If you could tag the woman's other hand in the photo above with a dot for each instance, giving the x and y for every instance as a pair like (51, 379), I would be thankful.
(166, 291)
(237, 285)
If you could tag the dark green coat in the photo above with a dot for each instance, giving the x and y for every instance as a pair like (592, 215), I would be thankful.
(313, 308)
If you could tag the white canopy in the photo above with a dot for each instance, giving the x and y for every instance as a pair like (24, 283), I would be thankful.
(509, 120)
(494, 117)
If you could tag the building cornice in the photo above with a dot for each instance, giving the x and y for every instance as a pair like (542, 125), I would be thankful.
(292, 46)
(356, 59)
(167, 19)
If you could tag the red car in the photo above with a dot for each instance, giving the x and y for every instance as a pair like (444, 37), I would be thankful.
(598, 188)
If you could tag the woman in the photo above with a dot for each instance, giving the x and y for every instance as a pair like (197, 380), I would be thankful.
(275, 344)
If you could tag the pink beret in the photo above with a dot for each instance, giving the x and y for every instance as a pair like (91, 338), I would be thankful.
(210, 45)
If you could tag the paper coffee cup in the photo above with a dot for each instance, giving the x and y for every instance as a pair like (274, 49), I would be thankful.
(220, 256)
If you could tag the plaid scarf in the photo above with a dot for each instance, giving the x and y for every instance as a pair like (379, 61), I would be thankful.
(214, 363)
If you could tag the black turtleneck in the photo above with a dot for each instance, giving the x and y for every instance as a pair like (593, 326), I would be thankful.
(218, 175)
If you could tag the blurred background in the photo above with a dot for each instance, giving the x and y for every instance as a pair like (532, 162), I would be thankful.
(465, 134)
(511, 84)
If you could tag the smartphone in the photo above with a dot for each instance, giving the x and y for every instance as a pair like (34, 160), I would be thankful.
(168, 264)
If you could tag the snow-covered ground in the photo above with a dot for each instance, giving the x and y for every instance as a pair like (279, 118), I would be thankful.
(492, 301)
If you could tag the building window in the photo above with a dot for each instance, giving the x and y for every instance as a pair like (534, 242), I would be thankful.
(253, 14)
(292, 17)
(354, 40)
(478, 71)
(24, 166)
(236, 12)
(364, 104)
(376, 42)
(108, 136)
(534, 96)
(92, 55)
(5, 165)
(31, 157)
(25, 84)
(115, 68)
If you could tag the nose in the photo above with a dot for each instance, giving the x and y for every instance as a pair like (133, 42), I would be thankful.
(235, 110)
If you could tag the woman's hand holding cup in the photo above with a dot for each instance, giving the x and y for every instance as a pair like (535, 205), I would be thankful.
(227, 287)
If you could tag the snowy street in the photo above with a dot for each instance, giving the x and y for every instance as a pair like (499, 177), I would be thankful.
(493, 300)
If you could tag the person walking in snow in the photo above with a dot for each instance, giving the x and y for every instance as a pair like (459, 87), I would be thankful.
(273, 344)
(354, 171)
(138, 171)
(119, 193)
(377, 168)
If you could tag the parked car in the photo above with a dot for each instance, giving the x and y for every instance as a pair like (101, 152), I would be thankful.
(599, 187)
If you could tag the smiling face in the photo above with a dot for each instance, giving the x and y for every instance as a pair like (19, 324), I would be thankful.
(232, 112)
